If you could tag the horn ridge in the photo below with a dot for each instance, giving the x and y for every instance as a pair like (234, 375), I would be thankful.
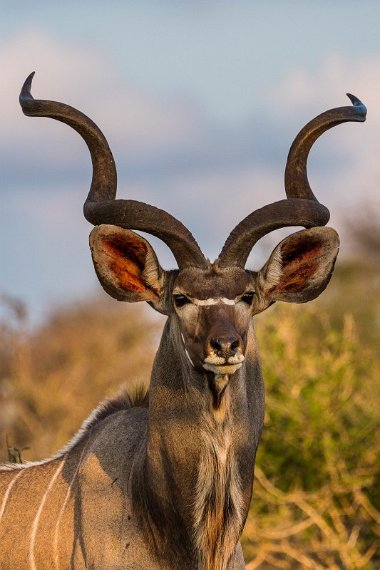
(100, 206)
(132, 214)
(301, 208)
(296, 180)
(104, 177)
(281, 214)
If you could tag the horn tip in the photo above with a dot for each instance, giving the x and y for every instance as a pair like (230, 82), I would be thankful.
(359, 105)
(25, 94)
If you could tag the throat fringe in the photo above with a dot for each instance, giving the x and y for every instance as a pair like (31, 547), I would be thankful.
(218, 502)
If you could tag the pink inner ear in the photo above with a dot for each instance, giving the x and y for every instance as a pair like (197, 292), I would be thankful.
(127, 260)
(300, 262)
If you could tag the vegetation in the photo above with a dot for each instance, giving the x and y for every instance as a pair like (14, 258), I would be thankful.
(317, 499)
(317, 490)
(51, 378)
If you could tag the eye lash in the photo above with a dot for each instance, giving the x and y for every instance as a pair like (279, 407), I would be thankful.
(181, 300)
(248, 297)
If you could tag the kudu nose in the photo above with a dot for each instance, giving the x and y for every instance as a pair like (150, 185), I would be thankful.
(225, 346)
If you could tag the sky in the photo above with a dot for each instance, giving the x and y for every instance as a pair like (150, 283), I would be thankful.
(199, 101)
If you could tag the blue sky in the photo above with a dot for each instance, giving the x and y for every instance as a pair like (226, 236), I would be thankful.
(200, 102)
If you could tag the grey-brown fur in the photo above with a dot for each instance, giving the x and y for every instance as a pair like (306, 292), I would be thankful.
(167, 485)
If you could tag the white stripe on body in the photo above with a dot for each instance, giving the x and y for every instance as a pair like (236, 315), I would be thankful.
(38, 515)
(58, 523)
(7, 492)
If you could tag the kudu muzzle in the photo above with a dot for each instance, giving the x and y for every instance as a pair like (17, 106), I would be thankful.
(224, 347)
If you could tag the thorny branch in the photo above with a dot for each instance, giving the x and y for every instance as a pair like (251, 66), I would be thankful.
(313, 530)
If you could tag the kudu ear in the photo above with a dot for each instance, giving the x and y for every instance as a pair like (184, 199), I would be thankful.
(126, 265)
(299, 268)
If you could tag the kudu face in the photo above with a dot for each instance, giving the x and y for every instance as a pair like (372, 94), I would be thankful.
(210, 308)
(213, 310)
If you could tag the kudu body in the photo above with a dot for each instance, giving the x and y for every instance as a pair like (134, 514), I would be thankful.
(166, 483)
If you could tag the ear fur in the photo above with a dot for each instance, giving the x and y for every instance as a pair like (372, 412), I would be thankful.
(299, 268)
(126, 264)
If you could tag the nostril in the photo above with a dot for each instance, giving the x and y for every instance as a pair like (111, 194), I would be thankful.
(216, 344)
(225, 346)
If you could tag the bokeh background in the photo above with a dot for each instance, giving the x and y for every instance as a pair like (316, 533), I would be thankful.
(200, 101)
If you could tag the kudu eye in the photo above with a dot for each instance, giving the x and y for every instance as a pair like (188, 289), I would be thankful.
(181, 300)
(248, 297)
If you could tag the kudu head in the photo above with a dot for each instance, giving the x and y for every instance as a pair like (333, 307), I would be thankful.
(209, 304)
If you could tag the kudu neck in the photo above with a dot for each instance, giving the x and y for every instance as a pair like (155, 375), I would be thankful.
(175, 382)
(182, 431)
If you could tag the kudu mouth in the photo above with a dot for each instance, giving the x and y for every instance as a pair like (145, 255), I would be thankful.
(225, 352)
(224, 366)
(221, 369)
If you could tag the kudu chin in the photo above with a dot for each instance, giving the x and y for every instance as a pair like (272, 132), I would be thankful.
(166, 483)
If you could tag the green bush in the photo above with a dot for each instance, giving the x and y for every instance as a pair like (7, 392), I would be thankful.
(317, 496)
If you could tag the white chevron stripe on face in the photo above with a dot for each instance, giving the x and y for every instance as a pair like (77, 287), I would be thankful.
(213, 301)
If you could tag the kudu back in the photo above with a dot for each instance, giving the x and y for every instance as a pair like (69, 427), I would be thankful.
(166, 483)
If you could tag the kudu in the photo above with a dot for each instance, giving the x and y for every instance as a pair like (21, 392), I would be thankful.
(166, 483)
